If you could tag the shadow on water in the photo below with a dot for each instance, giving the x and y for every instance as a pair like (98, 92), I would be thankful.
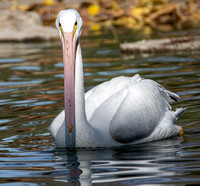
(31, 95)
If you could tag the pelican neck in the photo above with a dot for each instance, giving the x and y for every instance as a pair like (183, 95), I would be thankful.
(80, 114)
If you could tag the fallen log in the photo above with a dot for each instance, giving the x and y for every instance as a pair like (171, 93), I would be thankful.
(176, 44)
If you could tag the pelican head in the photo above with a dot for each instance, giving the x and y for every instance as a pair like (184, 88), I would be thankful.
(69, 21)
(69, 26)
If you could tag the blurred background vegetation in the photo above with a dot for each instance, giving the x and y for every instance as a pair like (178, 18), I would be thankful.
(146, 15)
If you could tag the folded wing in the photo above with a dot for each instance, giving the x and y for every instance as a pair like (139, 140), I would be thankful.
(128, 108)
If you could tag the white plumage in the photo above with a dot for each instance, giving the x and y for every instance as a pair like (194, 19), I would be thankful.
(124, 110)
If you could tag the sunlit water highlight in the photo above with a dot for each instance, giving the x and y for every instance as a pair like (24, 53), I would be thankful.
(31, 95)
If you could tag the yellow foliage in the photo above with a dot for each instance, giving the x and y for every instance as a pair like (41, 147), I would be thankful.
(131, 21)
(23, 7)
(151, 2)
(158, 2)
(120, 21)
(93, 9)
(133, 24)
(115, 5)
(147, 30)
(95, 27)
(48, 2)
(108, 23)
(128, 22)
(138, 11)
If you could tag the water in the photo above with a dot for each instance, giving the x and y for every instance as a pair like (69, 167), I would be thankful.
(31, 95)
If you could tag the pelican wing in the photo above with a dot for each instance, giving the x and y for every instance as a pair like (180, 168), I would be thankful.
(99, 94)
(128, 108)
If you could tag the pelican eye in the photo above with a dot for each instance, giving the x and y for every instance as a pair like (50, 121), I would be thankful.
(61, 30)
(75, 26)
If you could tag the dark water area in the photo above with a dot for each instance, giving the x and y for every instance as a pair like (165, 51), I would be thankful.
(31, 95)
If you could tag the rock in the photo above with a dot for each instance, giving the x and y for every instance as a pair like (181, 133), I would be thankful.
(176, 44)
(24, 26)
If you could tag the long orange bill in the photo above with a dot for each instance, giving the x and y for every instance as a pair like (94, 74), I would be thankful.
(69, 46)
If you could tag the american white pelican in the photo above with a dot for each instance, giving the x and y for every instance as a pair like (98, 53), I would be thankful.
(124, 110)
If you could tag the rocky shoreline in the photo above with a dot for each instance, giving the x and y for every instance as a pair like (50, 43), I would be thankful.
(35, 20)
(24, 26)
